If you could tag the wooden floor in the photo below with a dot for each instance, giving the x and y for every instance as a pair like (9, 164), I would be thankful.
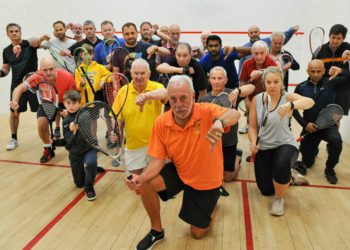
(41, 209)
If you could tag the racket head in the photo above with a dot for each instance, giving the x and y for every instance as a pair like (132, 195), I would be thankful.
(285, 59)
(329, 116)
(32, 79)
(121, 61)
(163, 79)
(109, 45)
(48, 99)
(81, 55)
(222, 100)
(113, 84)
(316, 39)
(95, 122)
(58, 58)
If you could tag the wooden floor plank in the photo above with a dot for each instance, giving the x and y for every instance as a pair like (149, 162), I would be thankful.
(33, 195)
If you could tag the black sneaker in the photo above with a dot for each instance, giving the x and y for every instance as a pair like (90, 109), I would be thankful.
(57, 133)
(90, 194)
(100, 169)
(300, 167)
(331, 176)
(223, 191)
(239, 153)
(48, 154)
(150, 240)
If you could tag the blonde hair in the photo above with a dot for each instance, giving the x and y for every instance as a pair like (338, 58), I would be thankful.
(274, 70)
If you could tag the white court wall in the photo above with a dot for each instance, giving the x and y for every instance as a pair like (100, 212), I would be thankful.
(36, 18)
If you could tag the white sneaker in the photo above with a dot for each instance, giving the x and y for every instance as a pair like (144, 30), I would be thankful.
(244, 130)
(12, 144)
(298, 179)
(277, 207)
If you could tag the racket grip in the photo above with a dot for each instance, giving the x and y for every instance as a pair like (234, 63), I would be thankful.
(137, 190)
(252, 157)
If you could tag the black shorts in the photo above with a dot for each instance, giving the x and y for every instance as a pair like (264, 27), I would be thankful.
(197, 205)
(26, 97)
(229, 153)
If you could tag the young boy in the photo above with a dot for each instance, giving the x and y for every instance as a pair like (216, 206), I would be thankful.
(80, 152)
(96, 72)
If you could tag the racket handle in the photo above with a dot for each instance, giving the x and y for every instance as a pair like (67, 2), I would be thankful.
(252, 158)
(137, 190)
(299, 139)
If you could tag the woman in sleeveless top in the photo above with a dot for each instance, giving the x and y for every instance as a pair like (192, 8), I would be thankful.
(271, 138)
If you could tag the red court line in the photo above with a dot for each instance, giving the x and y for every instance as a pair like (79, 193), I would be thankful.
(58, 217)
(247, 220)
(310, 186)
(328, 187)
(36, 163)
(51, 165)
(122, 171)
(219, 32)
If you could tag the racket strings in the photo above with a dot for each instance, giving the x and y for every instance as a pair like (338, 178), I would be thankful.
(94, 123)
(48, 100)
(114, 83)
(329, 116)
(222, 100)
(316, 39)
(50, 110)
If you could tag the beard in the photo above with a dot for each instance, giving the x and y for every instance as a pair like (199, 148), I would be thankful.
(213, 53)
(131, 41)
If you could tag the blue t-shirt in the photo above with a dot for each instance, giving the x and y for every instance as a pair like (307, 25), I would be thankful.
(229, 65)
(102, 50)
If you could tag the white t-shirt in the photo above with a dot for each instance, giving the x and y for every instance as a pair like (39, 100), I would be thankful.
(59, 45)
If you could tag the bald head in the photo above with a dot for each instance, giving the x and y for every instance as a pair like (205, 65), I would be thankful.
(254, 33)
(315, 63)
(47, 61)
(48, 67)
(315, 70)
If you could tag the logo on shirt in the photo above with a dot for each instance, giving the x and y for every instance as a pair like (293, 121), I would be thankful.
(197, 127)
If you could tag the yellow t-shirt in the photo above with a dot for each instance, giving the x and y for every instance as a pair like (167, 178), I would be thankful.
(95, 73)
(138, 125)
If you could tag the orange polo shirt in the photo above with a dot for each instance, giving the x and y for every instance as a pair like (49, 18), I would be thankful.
(187, 147)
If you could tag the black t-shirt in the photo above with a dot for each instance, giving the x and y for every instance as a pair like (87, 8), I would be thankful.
(140, 51)
(26, 62)
(79, 44)
(199, 78)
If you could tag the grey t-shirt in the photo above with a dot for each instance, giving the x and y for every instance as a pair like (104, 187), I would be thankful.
(276, 132)
(59, 45)
(229, 138)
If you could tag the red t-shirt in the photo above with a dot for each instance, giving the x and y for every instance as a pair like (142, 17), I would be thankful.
(63, 83)
(248, 67)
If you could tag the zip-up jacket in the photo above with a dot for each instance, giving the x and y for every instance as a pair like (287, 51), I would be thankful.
(323, 93)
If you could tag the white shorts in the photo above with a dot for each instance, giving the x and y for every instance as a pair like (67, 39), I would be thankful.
(136, 158)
